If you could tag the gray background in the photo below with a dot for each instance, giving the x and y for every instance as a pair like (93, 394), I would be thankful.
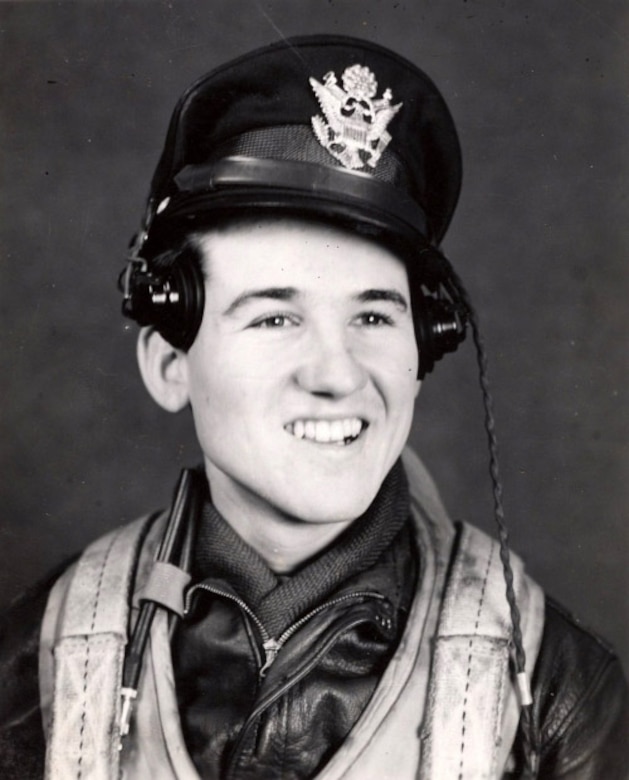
(539, 92)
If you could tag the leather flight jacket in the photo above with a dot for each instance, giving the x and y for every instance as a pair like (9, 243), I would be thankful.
(250, 711)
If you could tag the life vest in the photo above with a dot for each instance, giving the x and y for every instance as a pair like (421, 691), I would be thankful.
(445, 708)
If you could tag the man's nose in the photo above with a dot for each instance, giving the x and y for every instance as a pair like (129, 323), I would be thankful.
(330, 367)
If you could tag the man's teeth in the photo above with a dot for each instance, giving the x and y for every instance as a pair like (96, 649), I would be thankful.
(326, 431)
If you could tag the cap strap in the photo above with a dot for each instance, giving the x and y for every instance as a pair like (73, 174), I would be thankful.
(322, 183)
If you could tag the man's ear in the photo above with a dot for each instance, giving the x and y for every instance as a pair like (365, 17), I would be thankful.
(164, 370)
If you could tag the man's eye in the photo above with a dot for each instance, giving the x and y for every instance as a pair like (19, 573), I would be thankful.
(374, 318)
(275, 321)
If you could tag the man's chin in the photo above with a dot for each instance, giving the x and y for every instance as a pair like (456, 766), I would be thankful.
(335, 495)
(337, 506)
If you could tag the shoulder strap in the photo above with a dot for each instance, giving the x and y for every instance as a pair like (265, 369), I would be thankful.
(84, 633)
(473, 709)
(384, 744)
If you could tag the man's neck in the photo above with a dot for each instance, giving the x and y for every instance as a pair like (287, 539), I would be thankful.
(285, 543)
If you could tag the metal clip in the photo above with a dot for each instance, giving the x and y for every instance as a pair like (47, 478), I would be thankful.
(524, 689)
(127, 274)
(128, 695)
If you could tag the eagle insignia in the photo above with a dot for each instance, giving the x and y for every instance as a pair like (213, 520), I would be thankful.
(354, 130)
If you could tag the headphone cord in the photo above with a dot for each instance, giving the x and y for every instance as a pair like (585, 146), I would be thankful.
(460, 295)
(176, 544)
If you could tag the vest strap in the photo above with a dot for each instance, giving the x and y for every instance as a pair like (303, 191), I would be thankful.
(473, 706)
(88, 655)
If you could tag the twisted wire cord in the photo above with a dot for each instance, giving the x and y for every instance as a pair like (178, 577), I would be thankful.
(469, 313)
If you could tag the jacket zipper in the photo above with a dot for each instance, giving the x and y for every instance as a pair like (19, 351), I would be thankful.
(270, 645)
(287, 684)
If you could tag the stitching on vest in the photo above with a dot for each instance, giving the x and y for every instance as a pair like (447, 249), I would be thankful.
(469, 659)
(87, 654)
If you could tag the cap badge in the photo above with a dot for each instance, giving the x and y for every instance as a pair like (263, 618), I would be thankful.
(355, 131)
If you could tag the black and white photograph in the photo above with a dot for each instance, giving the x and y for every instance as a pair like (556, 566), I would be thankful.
(314, 409)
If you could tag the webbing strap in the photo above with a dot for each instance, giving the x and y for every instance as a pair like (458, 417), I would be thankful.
(166, 585)
(88, 659)
(472, 705)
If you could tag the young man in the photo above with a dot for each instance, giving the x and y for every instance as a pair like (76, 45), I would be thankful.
(305, 608)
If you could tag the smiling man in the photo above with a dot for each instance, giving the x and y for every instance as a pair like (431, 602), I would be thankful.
(305, 608)
(302, 379)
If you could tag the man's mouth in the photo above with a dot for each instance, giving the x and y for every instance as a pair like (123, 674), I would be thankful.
(340, 432)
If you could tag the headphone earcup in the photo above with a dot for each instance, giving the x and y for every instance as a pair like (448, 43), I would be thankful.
(439, 329)
(170, 298)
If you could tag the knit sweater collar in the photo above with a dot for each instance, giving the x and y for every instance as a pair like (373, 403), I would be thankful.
(222, 554)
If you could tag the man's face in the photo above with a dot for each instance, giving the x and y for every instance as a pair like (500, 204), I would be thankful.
(303, 375)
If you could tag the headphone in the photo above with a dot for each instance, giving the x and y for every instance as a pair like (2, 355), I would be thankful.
(171, 296)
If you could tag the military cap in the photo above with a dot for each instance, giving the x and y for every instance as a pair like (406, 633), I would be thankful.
(321, 125)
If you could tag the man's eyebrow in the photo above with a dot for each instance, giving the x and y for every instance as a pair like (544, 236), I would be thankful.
(274, 293)
(394, 296)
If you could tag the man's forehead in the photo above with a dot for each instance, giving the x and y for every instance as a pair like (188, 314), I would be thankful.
(281, 229)
(284, 246)
(263, 221)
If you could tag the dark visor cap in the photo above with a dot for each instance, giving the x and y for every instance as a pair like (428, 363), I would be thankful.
(321, 126)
